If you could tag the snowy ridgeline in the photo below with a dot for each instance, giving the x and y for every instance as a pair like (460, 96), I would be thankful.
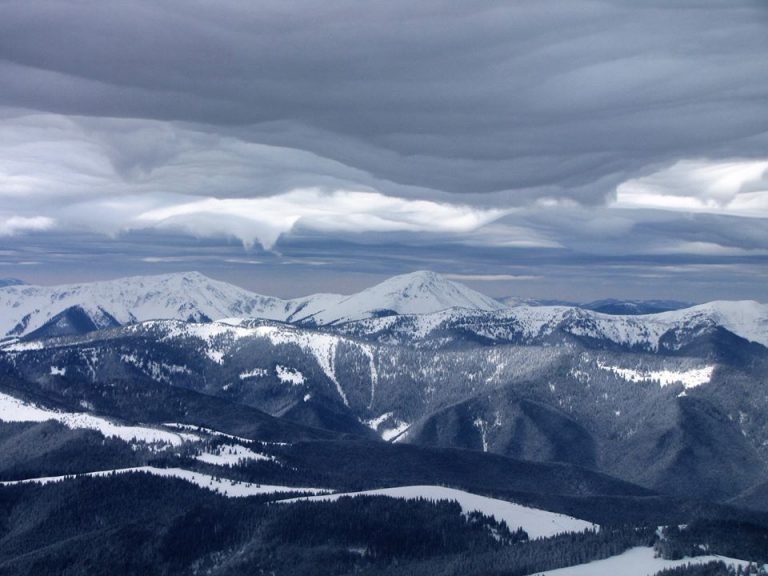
(193, 296)
(637, 562)
(15, 410)
(223, 486)
(531, 324)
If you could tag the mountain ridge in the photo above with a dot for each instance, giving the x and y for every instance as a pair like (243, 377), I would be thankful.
(192, 296)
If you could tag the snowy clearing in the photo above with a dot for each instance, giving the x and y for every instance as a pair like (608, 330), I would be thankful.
(387, 426)
(688, 378)
(14, 410)
(290, 376)
(537, 523)
(374, 423)
(229, 455)
(634, 562)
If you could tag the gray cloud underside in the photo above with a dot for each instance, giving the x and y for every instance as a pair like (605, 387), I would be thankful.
(570, 96)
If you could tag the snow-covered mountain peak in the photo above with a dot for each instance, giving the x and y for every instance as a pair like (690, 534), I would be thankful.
(424, 292)
(421, 292)
(183, 296)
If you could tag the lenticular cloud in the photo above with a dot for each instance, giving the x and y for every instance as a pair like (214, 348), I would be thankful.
(263, 220)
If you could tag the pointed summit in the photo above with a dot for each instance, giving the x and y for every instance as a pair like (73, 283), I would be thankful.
(424, 291)
(421, 292)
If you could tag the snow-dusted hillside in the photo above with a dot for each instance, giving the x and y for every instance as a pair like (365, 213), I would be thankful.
(223, 486)
(15, 410)
(537, 523)
(193, 296)
(747, 319)
(530, 324)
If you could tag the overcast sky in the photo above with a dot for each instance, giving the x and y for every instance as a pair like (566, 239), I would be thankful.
(550, 148)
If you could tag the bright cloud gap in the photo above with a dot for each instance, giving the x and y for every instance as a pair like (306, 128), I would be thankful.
(736, 188)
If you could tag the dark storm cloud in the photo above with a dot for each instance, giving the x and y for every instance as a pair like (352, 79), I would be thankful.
(470, 98)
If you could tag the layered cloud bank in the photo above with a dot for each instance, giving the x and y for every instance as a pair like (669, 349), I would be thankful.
(505, 135)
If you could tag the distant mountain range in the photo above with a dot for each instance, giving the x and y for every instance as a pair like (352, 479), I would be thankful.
(80, 308)
(191, 296)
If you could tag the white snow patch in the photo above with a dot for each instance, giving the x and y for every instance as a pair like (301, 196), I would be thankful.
(395, 429)
(56, 371)
(537, 523)
(396, 433)
(215, 355)
(688, 378)
(23, 346)
(636, 562)
(374, 423)
(255, 373)
(289, 375)
(230, 454)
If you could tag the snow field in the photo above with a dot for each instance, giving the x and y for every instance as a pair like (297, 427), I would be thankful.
(537, 523)
(635, 562)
